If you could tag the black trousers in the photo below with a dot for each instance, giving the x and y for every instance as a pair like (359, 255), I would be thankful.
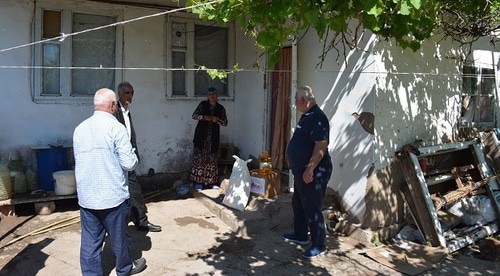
(138, 207)
(307, 203)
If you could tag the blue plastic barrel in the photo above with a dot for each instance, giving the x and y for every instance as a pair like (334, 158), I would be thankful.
(50, 160)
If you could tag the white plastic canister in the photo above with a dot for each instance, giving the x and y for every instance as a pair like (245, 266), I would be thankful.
(64, 182)
(5, 183)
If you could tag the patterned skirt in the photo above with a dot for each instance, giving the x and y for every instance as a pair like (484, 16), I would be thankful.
(204, 167)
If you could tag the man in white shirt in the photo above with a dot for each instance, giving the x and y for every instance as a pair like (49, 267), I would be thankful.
(103, 154)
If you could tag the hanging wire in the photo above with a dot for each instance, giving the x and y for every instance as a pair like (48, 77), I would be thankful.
(63, 36)
(234, 71)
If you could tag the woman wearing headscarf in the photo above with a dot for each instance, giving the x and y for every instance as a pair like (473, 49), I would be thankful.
(210, 115)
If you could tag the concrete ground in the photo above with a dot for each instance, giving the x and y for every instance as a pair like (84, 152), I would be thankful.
(197, 240)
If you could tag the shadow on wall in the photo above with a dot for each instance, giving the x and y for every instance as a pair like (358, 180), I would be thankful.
(350, 108)
(384, 204)
(415, 100)
(418, 98)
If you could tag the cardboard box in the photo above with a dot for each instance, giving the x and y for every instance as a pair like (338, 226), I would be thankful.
(258, 185)
(266, 186)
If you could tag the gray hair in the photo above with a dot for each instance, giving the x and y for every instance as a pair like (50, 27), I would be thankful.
(104, 96)
(305, 92)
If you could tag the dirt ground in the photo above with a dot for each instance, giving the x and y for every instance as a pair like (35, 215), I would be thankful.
(195, 242)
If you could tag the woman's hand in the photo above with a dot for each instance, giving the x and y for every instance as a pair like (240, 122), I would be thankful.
(213, 119)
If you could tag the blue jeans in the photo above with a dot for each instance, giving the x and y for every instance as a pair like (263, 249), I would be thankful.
(95, 225)
(307, 202)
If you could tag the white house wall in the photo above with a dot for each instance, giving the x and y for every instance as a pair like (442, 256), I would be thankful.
(412, 95)
(417, 97)
(164, 126)
(340, 91)
(250, 99)
(418, 93)
(417, 100)
(25, 124)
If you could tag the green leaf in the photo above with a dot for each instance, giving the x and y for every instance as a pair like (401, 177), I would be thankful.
(405, 8)
(274, 58)
(266, 39)
(417, 3)
(312, 17)
(375, 9)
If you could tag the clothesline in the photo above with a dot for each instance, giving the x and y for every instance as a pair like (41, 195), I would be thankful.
(63, 36)
(234, 71)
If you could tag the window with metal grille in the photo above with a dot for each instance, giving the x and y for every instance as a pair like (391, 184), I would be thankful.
(478, 96)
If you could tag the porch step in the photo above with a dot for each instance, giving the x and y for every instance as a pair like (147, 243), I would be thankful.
(260, 214)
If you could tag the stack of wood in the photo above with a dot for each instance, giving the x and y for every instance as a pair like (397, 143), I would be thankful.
(464, 177)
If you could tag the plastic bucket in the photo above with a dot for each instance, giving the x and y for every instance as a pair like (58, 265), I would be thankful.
(64, 182)
(50, 160)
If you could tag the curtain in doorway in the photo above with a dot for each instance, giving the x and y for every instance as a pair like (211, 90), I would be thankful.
(280, 124)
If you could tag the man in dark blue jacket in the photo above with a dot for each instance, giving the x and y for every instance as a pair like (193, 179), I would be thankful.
(311, 167)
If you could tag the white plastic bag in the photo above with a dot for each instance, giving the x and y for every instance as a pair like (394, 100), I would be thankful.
(474, 210)
(238, 190)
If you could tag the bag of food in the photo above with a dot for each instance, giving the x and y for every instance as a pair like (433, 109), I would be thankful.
(238, 190)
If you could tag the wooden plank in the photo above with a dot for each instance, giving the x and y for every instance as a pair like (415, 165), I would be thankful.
(405, 194)
(437, 230)
(461, 172)
(424, 208)
(444, 148)
(486, 172)
(21, 199)
(439, 179)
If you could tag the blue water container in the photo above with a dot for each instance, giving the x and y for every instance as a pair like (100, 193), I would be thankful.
(50, 160)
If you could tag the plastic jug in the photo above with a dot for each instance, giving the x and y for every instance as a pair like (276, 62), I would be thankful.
(20, 186)
(265, 164)
(5, 183)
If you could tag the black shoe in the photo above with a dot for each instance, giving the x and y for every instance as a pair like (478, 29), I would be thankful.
(138, 266)
(149, 227)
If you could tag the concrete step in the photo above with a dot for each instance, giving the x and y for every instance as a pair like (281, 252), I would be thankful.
(260, 214)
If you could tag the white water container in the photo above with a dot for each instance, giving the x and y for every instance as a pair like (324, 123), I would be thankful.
(19, 182)
(32, 180)
(5, 183)
(64, 182)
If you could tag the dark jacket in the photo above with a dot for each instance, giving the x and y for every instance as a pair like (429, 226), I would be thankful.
(200, 133)
(119, 116)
